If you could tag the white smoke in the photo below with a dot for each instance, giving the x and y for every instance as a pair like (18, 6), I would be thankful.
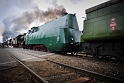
(15, 25)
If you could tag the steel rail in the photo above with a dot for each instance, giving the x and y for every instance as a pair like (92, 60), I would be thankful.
(36, 77)
(101, 77)
(8, 68)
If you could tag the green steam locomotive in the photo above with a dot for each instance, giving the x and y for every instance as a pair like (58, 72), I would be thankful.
(59, 35)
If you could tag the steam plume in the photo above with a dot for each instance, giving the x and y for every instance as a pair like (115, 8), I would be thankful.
(15, 26)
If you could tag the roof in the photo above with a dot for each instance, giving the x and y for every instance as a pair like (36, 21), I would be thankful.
(103, 5)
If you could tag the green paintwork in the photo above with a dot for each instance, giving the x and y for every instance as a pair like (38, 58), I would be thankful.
(56, 34)
(97, 25)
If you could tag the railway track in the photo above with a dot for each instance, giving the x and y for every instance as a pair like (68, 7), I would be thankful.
(86, 74)
(35, 76)
(92, 74)
(84, 56)
(90, 57)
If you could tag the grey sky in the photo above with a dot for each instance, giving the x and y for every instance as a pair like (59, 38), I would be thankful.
(17, 16)
(76, 1)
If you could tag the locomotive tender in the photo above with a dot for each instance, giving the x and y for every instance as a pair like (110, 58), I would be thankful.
(103, 31)
(59, 35)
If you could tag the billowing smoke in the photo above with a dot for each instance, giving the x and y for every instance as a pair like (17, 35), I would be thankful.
(15, 26)
(6, 31)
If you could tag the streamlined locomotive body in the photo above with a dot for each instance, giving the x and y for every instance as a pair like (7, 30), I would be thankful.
(59, 35)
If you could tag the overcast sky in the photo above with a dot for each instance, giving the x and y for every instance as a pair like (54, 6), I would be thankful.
(18, 16)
